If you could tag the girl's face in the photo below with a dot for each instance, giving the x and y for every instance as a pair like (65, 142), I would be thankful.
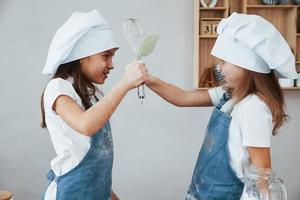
(233, 75)
(97, 67)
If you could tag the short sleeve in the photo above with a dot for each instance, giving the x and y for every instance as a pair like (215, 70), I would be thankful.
(55, 88)
(255, 121)
(216, 94)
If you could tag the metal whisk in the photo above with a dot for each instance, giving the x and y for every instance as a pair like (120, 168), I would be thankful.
(133, 32)
(221, 80)
(219, 75)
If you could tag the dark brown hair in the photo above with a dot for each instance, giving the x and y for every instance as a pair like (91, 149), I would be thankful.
(266, 87)
(83, 87)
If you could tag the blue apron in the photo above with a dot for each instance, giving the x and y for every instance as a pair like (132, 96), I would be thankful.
(213, 177)
(91, 178)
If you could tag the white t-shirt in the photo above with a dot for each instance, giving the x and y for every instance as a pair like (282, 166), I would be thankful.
(70, 146)
(251, 126)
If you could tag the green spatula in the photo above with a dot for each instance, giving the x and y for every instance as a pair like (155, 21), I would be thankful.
(147, 45)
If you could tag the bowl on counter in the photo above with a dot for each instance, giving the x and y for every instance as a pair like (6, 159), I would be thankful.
(286, 82)
(270, 2)
(298, 80)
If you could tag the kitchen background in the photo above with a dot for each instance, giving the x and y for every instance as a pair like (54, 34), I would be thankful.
(156, 144)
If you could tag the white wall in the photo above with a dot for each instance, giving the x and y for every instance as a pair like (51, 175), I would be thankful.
(156, 144)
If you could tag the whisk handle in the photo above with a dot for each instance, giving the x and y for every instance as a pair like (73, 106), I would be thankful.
(141, 88)
(141, 92)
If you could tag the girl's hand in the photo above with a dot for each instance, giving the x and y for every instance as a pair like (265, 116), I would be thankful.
(114, 196)
(150, 79)
(135, 75)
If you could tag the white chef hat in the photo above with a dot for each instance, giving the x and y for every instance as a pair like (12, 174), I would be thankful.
(82, 35)
(253, 43)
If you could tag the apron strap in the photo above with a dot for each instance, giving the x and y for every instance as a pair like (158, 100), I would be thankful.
(226, 96)
(51, 176)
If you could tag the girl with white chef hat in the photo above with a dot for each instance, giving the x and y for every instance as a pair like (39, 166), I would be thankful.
(75, 111)
(249, 107)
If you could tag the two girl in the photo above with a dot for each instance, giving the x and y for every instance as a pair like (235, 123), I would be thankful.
(248, 107)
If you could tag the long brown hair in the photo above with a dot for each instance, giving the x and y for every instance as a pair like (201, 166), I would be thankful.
(266, 87)
(83, 87)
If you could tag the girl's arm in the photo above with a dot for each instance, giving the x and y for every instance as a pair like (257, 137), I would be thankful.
(89, 121)
(260, 157)
(178, 96)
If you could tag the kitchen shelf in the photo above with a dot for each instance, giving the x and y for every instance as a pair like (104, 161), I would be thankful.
(291, 88)
(260, 3)
(207, 37)
(286, 18)
(271, 7)
(213, 9)
(211, 19)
